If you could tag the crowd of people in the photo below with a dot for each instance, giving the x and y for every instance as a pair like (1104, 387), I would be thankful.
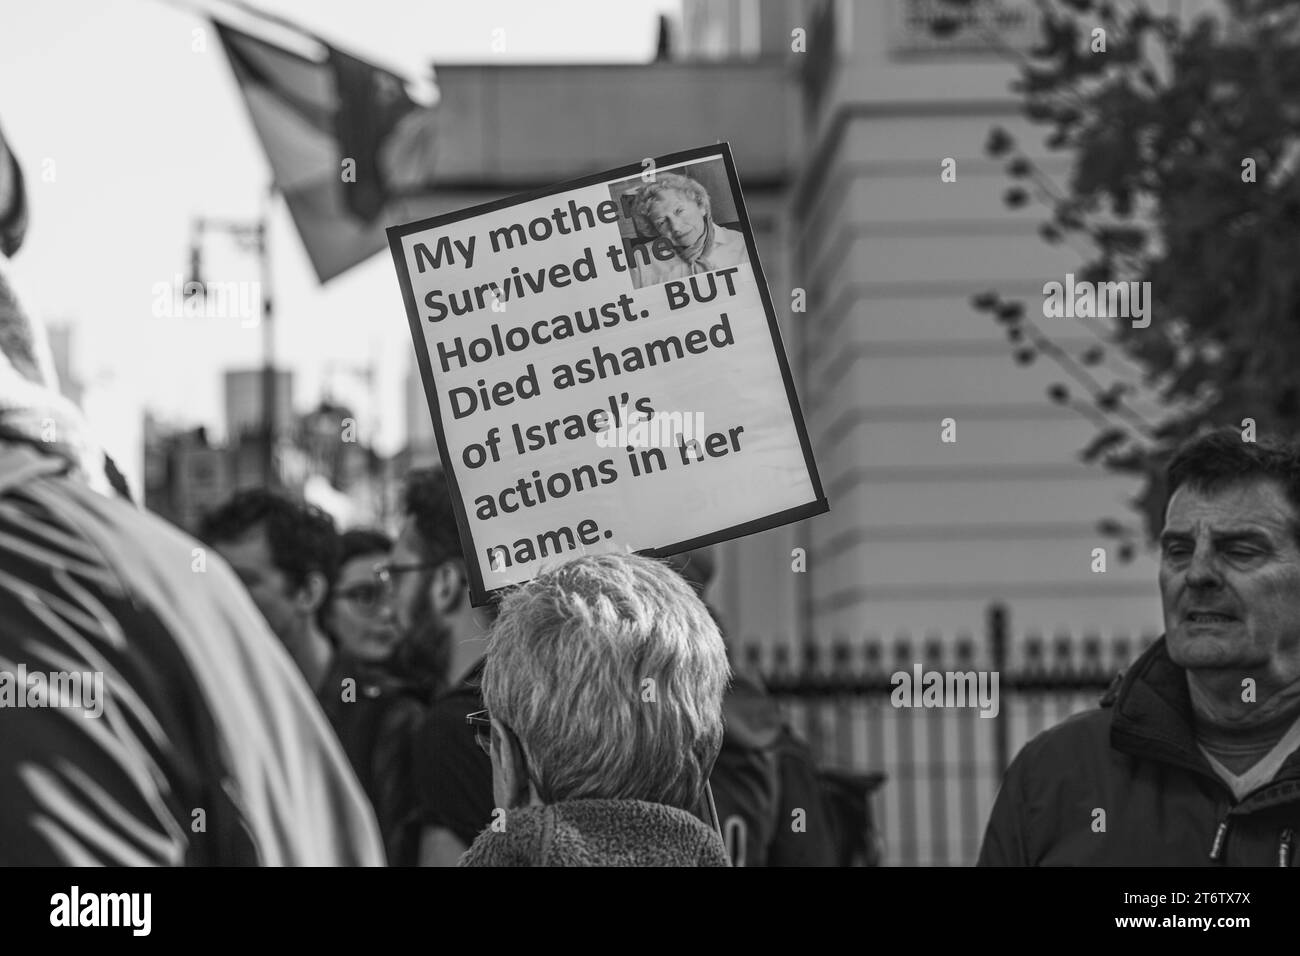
(281, 693)
(634, 670)
(277, 692)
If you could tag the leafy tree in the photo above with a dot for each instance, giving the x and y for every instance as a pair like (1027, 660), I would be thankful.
(1185, 145)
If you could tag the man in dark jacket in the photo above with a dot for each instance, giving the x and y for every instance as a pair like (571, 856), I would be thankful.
(765, 783)
(444, 638)
(1193, 758)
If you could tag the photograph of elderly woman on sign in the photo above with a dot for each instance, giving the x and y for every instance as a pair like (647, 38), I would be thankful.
(679, 210)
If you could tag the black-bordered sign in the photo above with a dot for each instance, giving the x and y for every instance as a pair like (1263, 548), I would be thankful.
(604, 369)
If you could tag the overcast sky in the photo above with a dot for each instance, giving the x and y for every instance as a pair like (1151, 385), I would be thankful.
(141, 133)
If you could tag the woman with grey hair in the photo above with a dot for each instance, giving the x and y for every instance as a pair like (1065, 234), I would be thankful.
(604, 684)
(677, 208)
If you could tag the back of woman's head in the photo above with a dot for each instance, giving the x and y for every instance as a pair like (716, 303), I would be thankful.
(612, 673)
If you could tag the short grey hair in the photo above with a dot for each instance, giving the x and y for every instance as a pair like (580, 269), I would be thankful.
(651, 192)
(611, 672)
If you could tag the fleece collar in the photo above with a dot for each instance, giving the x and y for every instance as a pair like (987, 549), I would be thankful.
(597, 833)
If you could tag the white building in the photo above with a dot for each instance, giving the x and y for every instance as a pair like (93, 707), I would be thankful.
(840, 116)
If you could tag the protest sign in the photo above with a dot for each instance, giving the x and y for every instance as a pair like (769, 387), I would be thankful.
(604, 369)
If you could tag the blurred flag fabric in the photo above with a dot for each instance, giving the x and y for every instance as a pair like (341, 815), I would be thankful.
(313, 114)
(13, 201)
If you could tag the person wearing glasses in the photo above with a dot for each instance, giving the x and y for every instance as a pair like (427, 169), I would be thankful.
(373, 708)
(359, 613)
(603, 683)
(444, 638)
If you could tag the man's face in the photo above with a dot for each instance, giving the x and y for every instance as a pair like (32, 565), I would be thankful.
(412, 603)
(677, 217)
(1230, 580)
(250, 556)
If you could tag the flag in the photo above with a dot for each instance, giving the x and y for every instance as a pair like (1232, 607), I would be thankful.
(348, 147)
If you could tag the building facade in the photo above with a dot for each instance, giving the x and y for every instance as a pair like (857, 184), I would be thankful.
(842, 117)
(319, 456)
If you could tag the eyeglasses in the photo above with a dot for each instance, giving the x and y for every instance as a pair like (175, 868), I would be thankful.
(367, 597)
(387, 572)
(481, 722)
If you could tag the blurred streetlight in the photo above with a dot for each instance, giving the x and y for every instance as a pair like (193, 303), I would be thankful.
(250, 234)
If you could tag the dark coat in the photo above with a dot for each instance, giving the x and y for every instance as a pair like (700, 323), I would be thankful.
(1137, 760)
(763, 773)
(377, 726)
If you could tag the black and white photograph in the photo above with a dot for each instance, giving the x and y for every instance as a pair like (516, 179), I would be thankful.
(688, 211)
(769, 434)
